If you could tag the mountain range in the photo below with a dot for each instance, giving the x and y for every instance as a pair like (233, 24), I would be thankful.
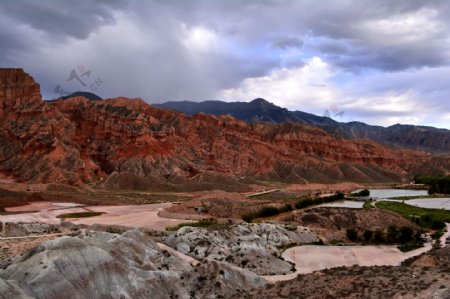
(404, 136)
(128, 144)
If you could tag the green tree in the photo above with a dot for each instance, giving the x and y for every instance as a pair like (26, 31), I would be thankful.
(368, 233)
(406, 234)
(392, 233)
(352, 234)
(379, 236)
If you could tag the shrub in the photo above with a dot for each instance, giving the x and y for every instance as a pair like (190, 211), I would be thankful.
(438, 184)
(352, 234)
(268, 211)
(406, 235)
(364, 192)
(304, 203)
(368, 235)
(409, 246)
(80, 215)
(286, 208)
(435, 224)
(263, 212)
(392, 233)
(379, 236)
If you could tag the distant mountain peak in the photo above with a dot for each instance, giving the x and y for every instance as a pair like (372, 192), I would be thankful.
(415, 137)
(260, 101)
(263, 103)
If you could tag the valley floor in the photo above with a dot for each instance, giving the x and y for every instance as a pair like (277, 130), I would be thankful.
(260, 258)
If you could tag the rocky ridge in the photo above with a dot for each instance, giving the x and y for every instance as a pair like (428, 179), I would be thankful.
(251, 246)
(126, 143)
(424, 138)
(131, 265)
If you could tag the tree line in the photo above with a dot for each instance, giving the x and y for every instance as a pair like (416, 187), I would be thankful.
(269, 211)
(438, 184)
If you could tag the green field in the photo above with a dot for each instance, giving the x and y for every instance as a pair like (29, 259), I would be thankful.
(429, 218)
(80, 215)
(418, 196)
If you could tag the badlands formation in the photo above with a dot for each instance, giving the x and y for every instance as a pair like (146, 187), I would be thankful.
(120, 199)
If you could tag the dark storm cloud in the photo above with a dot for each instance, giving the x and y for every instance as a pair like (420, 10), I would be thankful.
(193, 49)
(61, 19)
(27, 25)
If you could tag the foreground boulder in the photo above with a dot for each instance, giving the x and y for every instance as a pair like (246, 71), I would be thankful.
(104, 265)
(11, 290)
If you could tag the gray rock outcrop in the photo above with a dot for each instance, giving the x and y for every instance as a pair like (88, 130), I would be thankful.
(12, 229)
(251, 246)
(105, 265)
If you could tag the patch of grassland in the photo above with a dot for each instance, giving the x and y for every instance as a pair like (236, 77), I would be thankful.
(419, 196)
(368, 205)
(80, 215)
(429, 218)
(409, 247)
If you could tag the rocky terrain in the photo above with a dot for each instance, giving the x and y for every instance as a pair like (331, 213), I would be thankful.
(98, 264)
(331, 223)
(251, 246)
(131, 265)
(403, 136)
(127, 144)
(11, 229)
(420, 280)
(16, 239)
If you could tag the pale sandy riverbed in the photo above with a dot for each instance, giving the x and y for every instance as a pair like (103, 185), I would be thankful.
(131, 215)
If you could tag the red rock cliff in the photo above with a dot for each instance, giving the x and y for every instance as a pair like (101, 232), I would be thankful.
(124, 141)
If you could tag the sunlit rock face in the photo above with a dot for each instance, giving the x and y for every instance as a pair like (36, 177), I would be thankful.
(19, 91)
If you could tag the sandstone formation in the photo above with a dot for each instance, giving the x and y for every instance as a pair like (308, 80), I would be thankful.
(126, 143)
(131, 265)
(251, 246)
(424, 138)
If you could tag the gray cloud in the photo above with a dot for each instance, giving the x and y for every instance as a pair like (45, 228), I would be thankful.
(193, 49)
(62, 19)
(288, 42)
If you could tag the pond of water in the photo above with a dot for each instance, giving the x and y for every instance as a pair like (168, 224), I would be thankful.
(430, 203)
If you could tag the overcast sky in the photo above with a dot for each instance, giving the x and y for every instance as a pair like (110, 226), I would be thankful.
(378, 61)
